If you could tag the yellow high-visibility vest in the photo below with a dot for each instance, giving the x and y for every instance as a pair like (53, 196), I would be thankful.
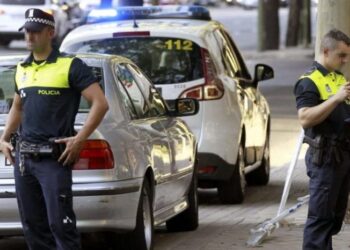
(47, 75)
(327, 85)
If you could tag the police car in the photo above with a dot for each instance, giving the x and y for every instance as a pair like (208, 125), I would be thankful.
(186, 54)
(136, 170)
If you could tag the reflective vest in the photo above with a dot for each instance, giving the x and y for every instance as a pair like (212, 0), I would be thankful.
(327, 85)
(46, 75)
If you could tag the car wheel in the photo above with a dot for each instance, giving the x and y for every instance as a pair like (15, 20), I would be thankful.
(261, 175)
(141, 238)
(232, 191)
(188, 219)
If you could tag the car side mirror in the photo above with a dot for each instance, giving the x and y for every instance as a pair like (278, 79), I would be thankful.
(263, 72)
(186, 107)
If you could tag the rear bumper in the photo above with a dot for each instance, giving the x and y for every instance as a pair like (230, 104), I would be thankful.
(108, 206)
(222, 169)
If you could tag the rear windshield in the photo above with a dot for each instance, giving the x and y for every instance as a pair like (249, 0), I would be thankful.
(23, 2)
(164, 60)
(7, 88)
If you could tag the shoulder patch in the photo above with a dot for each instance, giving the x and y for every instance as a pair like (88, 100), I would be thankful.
(310, 71)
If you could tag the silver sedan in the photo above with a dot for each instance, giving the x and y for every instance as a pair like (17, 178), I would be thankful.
(137, 170)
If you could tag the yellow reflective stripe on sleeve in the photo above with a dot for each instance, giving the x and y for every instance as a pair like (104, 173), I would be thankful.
(52, 75)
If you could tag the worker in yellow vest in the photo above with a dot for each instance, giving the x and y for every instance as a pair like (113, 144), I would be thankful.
(48, 89)
(322, 99)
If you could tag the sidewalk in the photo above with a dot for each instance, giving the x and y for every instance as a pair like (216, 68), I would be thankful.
(289, 53)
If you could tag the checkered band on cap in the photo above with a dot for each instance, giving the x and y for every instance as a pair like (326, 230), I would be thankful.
(40, 20)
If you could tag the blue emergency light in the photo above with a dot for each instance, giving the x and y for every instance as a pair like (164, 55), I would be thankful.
(151, 12)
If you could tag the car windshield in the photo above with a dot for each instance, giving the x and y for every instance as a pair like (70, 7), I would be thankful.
(164, 60)
(23, 2)
(7, 88)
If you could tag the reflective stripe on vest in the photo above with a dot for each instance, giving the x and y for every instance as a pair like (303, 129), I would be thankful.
(52, 75)
(327, 85)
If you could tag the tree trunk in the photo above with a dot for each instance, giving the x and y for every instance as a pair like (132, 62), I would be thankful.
(268, 25)
(293, 23)
(305, 24)
(333, 14)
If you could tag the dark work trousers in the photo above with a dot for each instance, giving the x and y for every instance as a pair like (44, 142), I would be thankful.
(328, 189)
(44, 196)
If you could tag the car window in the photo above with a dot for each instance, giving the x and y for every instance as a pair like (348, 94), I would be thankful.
(126, 101)
(164, 60)
(137, 103)
(157, 106)
(238, 56)
(7, 88)
(23, 2)
(230, 62)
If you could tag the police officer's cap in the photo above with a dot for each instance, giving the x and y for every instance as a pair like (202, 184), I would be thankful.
(36, 20)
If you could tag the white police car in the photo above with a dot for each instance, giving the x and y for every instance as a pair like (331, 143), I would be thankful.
(186, 54)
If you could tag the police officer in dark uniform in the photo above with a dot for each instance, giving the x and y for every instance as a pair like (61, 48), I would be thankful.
(49, 86)
(322, 98)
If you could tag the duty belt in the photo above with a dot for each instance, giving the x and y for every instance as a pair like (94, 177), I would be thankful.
(34, 149)
(38, 151)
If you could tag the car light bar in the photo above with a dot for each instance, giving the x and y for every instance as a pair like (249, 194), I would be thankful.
(151, 12)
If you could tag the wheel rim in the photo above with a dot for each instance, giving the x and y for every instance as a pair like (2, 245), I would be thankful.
(241, 169)
(147, 219)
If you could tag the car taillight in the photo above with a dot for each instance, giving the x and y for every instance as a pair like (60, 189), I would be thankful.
(96, 154)
(195, 93)
(213, 87)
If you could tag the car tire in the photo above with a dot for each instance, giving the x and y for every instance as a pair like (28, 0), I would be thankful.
(188, 219)
(232, 191)
(261, 175)
(141, 238)
(143, 235)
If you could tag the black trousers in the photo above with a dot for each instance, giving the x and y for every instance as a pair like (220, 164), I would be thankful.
(44, 196)
(329, 190)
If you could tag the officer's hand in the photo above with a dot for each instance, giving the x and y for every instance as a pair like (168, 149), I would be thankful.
(6, 149)
(343, 93)
(71, 154)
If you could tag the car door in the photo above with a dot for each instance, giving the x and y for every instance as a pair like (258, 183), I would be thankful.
(260, 109)
(179, 139)
(150, 131)
(244, 93)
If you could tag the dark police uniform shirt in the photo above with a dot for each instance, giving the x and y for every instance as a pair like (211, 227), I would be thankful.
(50, 111)
(307, 95)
